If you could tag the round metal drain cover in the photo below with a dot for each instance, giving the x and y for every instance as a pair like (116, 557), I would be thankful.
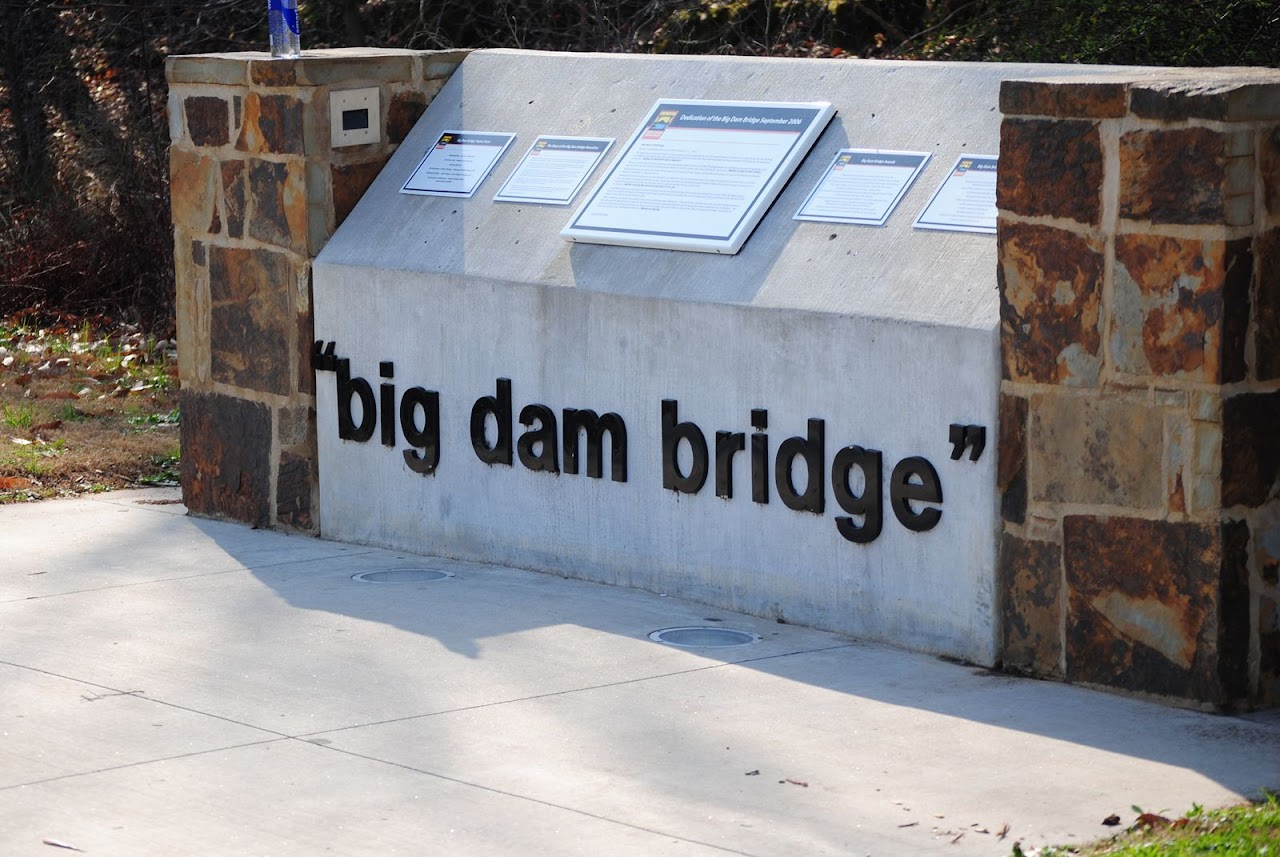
(401, 575)
(704, 638)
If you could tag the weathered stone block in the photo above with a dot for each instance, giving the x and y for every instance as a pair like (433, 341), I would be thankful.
(208, 68)
(1096, 450)
(1209, 94)
(1180, 307)
(1250, 451)
(1050, 291)
(274, 72)
(1011, 471)
(208, 120)
(350, 181)
(234, 192)
(405, 109)
(1266, 344)
(1269, 163)
(304, 336)
(1050, 167)
(251, 330)
(192, 189)
(1173, 176)
(296, 489)
(296, 427)
(1144, 603)
(279, 194)
(1064, 98)
(272, 124)
(1269, 649)
(226, 470)
(191, 310)
(1031, 580)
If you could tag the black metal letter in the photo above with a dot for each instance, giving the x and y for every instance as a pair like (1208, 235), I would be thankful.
(358, 387)
(760, 456)
(811, 450)
(672, 433)
(428, 437)
(902, 491)
(387, 396)
(727, 443)
(577, 421)
(543, 439)
(871, 502)
(500, 407)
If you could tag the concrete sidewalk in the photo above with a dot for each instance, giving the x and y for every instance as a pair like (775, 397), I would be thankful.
(181, 686)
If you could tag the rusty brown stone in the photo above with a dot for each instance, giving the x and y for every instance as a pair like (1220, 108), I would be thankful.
(1250, 452)
(233, 196)
(350, 181)
(403, 113)
(274, 72)
(250, 333)
(1011, 475)
(1170, 313)
(1142, 611)
(1031, 583)
(1266, 343)
(1173, 175)
(1104, 451)
(207, 120)
(192, 189)
(1050, 167)
(272, 123)
(1066, 99)
(1050, 292)
(225, 449)
(279, 195)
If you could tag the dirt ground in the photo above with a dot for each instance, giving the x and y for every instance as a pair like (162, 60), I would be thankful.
(85, 406)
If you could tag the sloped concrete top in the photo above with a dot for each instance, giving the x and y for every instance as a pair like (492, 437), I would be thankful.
(897, 272)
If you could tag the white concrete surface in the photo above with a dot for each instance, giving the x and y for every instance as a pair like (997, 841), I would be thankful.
(888, 335)
(183, 686)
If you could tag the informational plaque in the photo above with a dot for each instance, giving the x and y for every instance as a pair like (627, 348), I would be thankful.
(554, 169)
(457, 163)
(699, 175)
(862, 186)
(966, 199)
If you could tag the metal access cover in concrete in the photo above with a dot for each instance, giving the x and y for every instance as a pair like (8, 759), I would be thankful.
(401, 575)
(704, 638)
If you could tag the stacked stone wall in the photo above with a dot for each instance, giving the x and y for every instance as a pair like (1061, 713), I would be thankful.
(1139, 270)
(256, 190)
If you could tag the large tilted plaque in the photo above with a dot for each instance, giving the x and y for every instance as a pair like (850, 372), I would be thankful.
(699, 175)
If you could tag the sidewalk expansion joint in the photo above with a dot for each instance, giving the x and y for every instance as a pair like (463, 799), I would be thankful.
(554, 693)
(140, 763)
(248, 568)
(551, 805)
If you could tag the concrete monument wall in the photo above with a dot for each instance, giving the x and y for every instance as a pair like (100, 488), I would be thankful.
(1116, 340)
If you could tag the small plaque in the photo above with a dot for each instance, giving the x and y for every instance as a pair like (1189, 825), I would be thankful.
(699, 175)
(457, 163)
(554, 169)
(966, 199)
(862, 186)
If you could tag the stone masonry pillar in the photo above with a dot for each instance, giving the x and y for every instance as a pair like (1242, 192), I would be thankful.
(1139, 276)
(256, 191)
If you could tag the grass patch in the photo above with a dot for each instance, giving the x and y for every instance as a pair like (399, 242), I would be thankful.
(20, 417)
(84, 407)
(1252, 830)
